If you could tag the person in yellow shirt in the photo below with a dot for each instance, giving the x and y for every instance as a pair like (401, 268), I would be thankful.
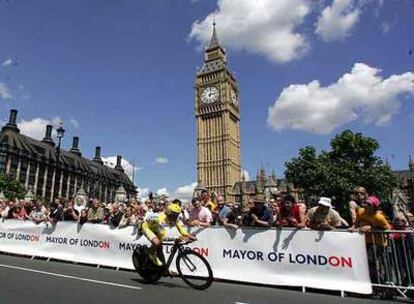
(372, 222)
(369, 219)
(155, 229)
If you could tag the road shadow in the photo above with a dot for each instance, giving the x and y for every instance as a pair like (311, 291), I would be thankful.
(160, 283)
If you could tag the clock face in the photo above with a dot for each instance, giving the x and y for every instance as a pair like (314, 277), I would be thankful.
(234, 97)
(209, 95)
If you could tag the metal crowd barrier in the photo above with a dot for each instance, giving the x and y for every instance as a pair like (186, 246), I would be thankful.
(391, 261)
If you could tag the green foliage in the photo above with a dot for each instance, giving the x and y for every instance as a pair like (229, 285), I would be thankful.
(11, 188)
(351, 162)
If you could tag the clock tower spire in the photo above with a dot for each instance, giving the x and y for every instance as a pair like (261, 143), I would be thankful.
(217, 112)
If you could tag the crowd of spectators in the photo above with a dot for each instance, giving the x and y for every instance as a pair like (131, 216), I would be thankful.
(279, 211)
(365, 216)
(212, 210)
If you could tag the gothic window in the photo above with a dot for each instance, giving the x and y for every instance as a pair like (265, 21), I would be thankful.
(49, 184)
(23, 170)
(64, 183)
(14, 164)
(40, 181)
(32, 173)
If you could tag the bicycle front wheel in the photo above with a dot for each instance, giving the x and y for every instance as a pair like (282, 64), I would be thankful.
(194, 269)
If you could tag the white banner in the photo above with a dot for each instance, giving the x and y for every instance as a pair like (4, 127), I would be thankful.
(324, 260)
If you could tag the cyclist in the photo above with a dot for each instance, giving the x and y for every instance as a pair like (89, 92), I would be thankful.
(155, 229)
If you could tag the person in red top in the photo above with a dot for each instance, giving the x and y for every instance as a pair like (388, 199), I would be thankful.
(291, 214)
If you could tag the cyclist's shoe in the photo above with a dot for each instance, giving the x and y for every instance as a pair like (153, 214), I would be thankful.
(153, 257)
(169, 273)
(173, 273)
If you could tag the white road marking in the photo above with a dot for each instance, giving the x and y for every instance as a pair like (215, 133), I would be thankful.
(240, 303)
(71, 277)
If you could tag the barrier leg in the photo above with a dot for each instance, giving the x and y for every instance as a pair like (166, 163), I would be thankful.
(303, 289)
(342, 294)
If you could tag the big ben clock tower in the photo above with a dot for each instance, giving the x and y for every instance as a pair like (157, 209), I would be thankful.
(217, 110)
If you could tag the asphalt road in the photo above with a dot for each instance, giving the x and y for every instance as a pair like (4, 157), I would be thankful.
(39, 282)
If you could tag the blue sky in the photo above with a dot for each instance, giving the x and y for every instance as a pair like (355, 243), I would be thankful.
(121, 74)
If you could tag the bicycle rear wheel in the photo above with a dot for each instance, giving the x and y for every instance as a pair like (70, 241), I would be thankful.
(194, 269)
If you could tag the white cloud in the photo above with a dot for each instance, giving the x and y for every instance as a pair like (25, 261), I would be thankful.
(361, 94)
(110, 161)
(336, 21)
(185, 193)
(4, 91)
(35, 128)
(162, 191)
(266, 27)
(143, 194)
(7, 62)
(161, 160)
(74, 123)
(246, 175)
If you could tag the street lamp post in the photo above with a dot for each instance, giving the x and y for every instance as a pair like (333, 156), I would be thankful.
(60, 133)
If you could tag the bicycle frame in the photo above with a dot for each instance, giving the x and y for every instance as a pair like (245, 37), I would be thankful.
(175, 248)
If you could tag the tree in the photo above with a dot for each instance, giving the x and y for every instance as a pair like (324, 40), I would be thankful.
(351, 162)
(11, 188)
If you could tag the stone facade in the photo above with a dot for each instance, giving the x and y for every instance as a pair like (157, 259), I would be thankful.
(50, 172)
(217, 112)
(267, 185)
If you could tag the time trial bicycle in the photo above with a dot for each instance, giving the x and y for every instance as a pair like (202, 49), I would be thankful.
(191, 266)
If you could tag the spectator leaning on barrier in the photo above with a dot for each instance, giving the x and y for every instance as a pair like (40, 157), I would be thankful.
(199, 215)
(259, 215)
(208, 202)
(274, 207)
(83, 216)
(116, 215)
(70, 213)
(127, 219)
(55, 213)
(371, 222)
(18, 212)
(223, 210)
(95, 212)
(291, 214)
(233, 218)
(359, 196)
(323, 217)
(38, 214)
(404, 248)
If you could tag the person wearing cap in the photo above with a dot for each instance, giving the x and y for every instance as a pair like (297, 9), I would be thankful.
(323, 217)
(259, 215)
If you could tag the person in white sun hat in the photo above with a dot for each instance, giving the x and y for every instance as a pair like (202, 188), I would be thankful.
(323, 217)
